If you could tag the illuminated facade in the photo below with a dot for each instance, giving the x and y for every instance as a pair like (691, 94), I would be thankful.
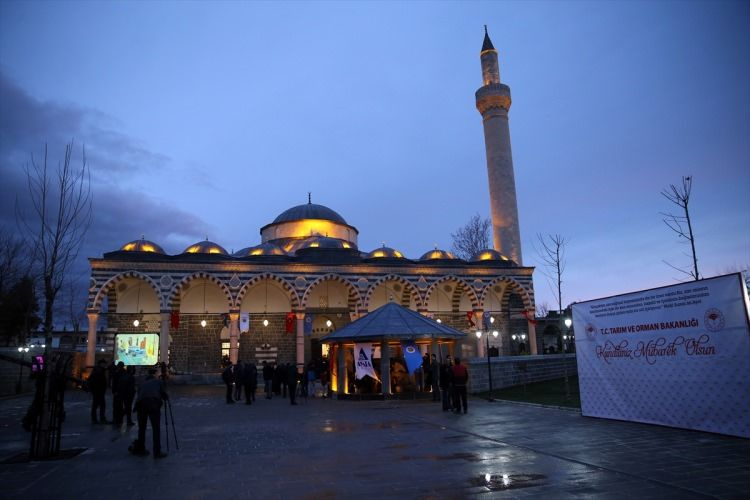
(307, 266)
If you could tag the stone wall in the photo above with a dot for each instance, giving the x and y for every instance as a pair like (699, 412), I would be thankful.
(517, 370)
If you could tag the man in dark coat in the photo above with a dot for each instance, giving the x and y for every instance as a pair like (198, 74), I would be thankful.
(98, 387)
(118, 404)
(250, 380)
(268, 379)
(126, 387)
(435, 378)
(151, 392)
(228, 377)
(239, 379)
(446, 381)
(292, 382)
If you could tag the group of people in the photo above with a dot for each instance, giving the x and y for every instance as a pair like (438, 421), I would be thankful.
(453, 377)
(151, 392)
(240, 376)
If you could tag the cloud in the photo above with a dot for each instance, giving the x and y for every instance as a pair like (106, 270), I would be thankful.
(120, 214)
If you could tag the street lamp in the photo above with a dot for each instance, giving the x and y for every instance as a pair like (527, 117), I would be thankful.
(568, 322)
(495, 333)
(22, 351)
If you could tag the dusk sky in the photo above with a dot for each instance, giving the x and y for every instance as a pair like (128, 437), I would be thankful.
(209, 119)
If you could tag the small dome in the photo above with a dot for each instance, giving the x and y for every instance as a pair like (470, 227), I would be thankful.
(384, 253)
(206, 246)
(309, 211)
(260, 250)
(488, 254)
(142, 245)
(323, 242)
(437, 254)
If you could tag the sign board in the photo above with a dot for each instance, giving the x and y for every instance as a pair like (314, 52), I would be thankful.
(676, 356)
(137, 349)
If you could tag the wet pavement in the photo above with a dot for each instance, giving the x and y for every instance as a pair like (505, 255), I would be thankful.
(373, 449)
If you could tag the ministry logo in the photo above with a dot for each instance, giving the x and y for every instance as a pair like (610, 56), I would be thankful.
(714, 320)
(590, 330)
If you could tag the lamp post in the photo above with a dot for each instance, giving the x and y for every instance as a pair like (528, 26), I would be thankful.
(22, 351)
(495, 333)
(568, 322)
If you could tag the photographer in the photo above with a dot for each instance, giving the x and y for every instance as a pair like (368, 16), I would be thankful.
(151, 392)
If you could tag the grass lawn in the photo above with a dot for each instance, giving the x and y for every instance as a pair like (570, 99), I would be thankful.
(550, 392)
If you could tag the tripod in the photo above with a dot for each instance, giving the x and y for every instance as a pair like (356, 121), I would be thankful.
(168, 406)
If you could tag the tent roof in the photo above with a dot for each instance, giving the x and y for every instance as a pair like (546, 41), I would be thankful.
(396, 322)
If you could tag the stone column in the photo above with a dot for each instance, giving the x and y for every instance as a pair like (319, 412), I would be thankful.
(91, 345)
(532, 339)
(341, 370)
(385, 367)
(234, 335)
(481, 341)
(164, 337)
(300, 341)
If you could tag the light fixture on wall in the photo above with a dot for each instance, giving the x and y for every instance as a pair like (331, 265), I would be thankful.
(265, 306)
(329, 323)
(136, 321)
(205, 311)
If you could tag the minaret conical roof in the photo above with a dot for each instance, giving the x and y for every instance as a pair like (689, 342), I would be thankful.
(487, 45)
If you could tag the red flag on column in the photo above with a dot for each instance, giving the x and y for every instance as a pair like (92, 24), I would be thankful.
(530, 319)
(174, 319)
(470, 318)
(291, 319)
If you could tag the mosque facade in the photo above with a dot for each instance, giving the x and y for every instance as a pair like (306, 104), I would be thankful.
(307, 277)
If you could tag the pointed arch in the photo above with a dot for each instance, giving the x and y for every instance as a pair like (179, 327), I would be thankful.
(285, 285)
(413, 291)
(95, 300)
(174, 294)
(354, 301)
(508, 283)
(466, 287)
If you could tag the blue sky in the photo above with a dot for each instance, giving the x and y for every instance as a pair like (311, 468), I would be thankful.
(209, 119)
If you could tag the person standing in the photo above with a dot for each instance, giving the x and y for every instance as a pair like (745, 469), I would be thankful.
(118, 404)
(268, 379)
(435, 378)
(291, 381)
(98, 387)
(151, 393)
(460, 378)
(127, 389)
(250, 382)
(228, 377)
(446, 383)
(239, 380)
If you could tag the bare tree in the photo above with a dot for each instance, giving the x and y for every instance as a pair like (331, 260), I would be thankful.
(61, 213)
(680, 224)
(542, 310)
(471, 238)
(552, 254)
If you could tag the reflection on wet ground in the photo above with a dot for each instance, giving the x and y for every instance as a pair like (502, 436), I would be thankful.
(499, 482)
(348, 449)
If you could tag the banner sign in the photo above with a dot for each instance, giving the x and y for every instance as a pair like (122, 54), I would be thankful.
(244, 322)
(412, 356)
(363, 360)
(137, 349)
(676, 356)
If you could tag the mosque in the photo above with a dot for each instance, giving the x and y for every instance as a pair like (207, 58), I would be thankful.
(307, 277)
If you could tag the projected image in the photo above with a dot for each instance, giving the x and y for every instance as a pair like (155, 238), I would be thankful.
(137, 349)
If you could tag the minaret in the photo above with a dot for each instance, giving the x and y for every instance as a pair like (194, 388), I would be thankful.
(493, 102)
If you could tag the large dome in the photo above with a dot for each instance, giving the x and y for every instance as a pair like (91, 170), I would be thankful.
(302, 222)
(309, 211)
(206, 246)
(142, 245)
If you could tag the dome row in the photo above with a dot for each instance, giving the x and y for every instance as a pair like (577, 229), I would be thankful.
(320, 242)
